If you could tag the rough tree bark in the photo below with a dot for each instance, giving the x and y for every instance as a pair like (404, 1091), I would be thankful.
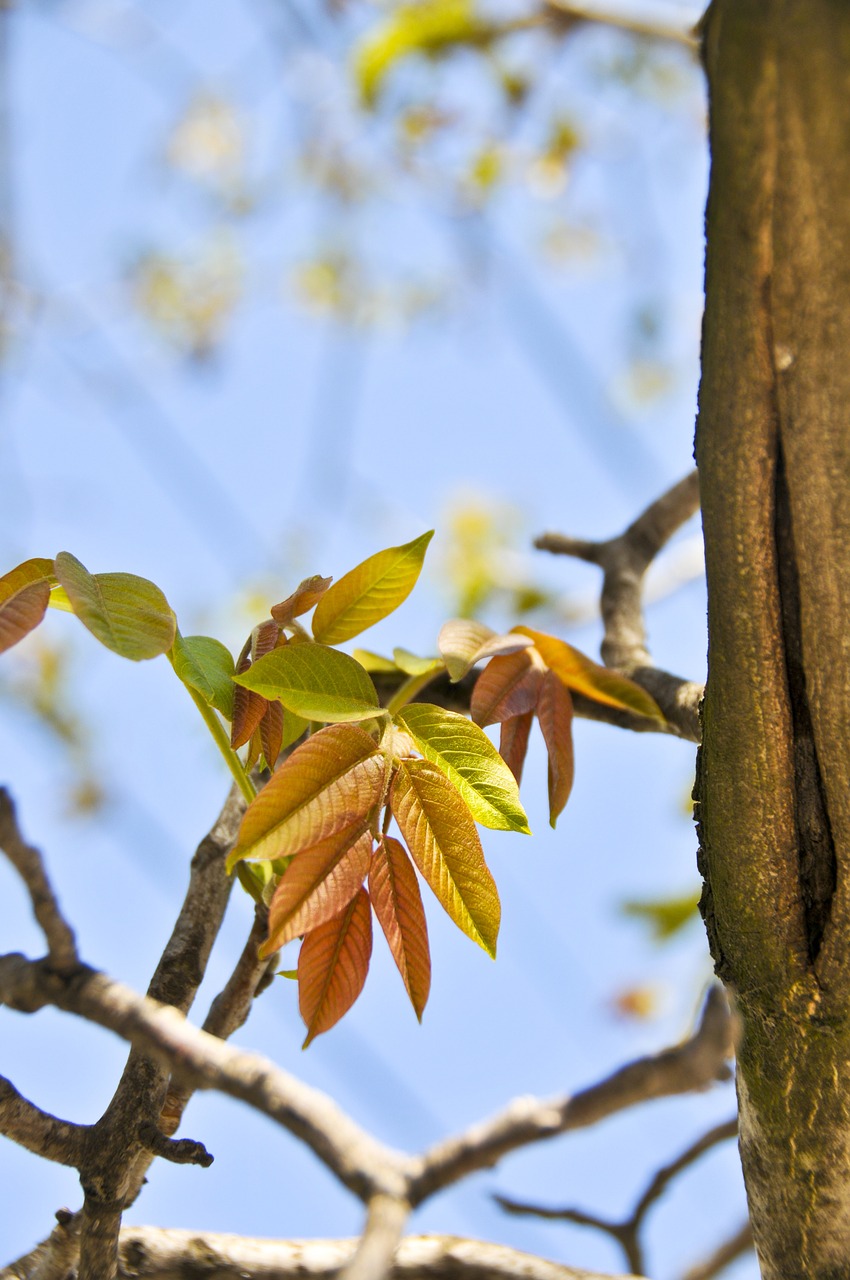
(773, 449)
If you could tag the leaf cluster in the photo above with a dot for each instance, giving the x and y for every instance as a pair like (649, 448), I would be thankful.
(316, 843)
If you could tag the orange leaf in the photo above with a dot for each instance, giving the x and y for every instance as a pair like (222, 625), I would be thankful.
(24, 593)
(555, 713)
(395, 895)
(329, 782)
(508, 686)
(333, 964)
(440, 833)
(583, 675)
(318, 883)
(305, 595)
(248, 710)
(264, 638)
(271, 732)
(513, 742)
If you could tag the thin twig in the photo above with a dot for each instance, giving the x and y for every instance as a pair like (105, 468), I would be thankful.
(28, 862)
(38, 1131)
(624, 561)
(735, 1247)
(176, 1150)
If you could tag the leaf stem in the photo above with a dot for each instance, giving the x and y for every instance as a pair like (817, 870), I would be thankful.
(222, 741)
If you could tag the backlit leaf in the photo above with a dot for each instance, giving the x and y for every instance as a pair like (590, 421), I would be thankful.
(332, 966)
(555, 714)
(440, 833)
(330, 781)
(207, 666)
(306, 594)
(513, 742)
(315, 682)
(129, 615)
(373, 661)
(469, 760)
(463, 642)
(508, 686)
(24, 596)
(428, 27)
(581, 674)
(318, 883)
(369, 592)
(413, 666)
(397, 903)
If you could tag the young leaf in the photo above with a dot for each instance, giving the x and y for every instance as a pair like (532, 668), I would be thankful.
(305, 595)
(373, 661)
(318, 883)
(315, 682)
(397, 903)
(332, 966)
(513, 742)
(334, 779)
(469, 760)
(508, 686)
(271, 733)
(248, 710)
(369, 592)
(129, 615)
(555, 714)
(581, 674)
(463, 642)
(412, 666)
(207, 666)
(440, 833)
(24, 596)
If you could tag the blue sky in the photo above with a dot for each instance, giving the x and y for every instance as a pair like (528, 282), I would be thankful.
(300, 446)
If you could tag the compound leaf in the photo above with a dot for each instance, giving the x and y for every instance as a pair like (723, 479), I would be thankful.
(318, 883)
(315, 682)
(583, 675)
(397, 903)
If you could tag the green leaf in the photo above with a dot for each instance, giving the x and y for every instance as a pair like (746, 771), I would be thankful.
(315, 682)
(665, 916)
(369, 592)
(332, 966)
(373, 661)
(334, 779)
(129, 615)
(471, 763)
(442, 838)
(411, 665)
(583, 675)
(207, 665)
(24, 596)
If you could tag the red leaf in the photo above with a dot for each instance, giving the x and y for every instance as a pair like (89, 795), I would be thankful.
(271, 732)
(513, 742)
(248, 710)
(263, 639)
(508, 686)
(24, 593)
(306, 594)
(332, 966)
(555, 713)
(318, 883)
(395, 895)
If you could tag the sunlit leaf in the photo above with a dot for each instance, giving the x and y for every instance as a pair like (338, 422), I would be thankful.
(397, 903)
(555, 714)
(513, 742)
(24, 596)
(333, 964)
(369, 592)
(413, 666)
(469, 760)
(129, 615)
(330, 781)
(307, 593)
(508, 686)
(318, 883)
(207, 666)
(581, 674)
(428, 27)
(440, 833)
(665, 916)
(59, 599)
(373, 661)
(315, 682)
(463, 642)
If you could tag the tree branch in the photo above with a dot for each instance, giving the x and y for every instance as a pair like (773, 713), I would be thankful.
(28, 862)
(38, 1131)
(624, 561)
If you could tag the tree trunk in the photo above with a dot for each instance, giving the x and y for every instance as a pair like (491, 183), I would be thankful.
(773, 448)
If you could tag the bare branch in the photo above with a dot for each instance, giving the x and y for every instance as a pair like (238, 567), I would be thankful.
(27, 861)
(624, 561)
(687, 1067)
(37, 1130)
(385, 1223)
(53, 1259)
(177, 1150)
(737, 1245)
(655, 26)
